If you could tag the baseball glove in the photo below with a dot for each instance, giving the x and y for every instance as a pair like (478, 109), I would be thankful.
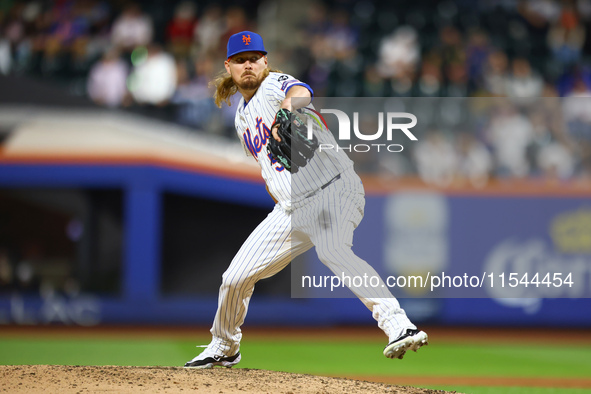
(294, 150)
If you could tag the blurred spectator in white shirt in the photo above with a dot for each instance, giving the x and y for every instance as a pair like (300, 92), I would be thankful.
(436, 160)
(154, 80)
(523, 81)
(399, 53)
(548, 156)
(556, 161)
(132, 28)
(106, 83)
(474, 160)
(509, 133)
(576, 104)
(541, 137)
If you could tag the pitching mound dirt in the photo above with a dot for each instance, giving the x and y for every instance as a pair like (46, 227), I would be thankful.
(85, 379)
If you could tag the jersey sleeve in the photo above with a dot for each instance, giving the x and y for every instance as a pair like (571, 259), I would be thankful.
(279, 84)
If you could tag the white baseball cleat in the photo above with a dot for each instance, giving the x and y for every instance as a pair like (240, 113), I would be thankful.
(412, 339)
(208, 359)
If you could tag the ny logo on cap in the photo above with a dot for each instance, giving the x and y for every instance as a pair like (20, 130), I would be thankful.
(246, 39)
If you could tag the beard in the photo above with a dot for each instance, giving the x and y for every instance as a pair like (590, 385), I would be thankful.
(249, 83)
(252, 83)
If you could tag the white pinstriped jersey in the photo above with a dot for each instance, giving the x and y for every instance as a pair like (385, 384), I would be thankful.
(253, 124)
(306, 215)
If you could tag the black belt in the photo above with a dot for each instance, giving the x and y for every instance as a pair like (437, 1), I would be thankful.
(327, 184)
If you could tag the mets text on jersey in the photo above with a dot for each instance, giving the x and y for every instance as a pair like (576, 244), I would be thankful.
(256, 143)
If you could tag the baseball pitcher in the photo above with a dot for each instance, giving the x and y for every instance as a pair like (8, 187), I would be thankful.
(319, 201)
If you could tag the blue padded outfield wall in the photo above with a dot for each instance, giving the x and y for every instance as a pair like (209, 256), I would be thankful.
(405, 233)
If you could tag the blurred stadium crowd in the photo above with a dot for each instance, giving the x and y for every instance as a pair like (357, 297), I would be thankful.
(158, 57)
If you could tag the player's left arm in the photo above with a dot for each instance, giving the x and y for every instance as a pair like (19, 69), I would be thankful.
(302, 93)
(303, 97)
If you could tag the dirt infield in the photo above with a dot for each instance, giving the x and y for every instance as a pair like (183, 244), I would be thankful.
(89, 379)
(151, 379)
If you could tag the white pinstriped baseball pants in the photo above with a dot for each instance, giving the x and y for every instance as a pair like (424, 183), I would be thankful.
(326, 220)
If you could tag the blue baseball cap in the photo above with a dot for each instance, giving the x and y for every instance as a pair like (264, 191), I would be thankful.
(245, 41)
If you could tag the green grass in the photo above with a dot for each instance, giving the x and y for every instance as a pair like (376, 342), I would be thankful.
(440, 360)
(91, 352)
(322, 358)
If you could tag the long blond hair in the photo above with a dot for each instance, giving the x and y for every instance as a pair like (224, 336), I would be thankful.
(225, 87)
